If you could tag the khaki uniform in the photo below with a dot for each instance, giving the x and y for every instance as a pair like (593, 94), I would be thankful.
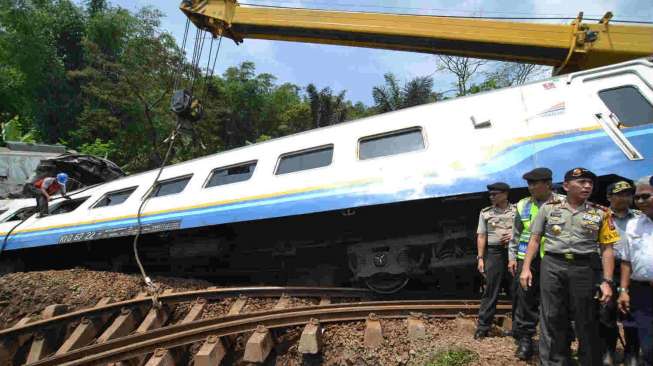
(494, 222)
(570, 272)
(578, 231)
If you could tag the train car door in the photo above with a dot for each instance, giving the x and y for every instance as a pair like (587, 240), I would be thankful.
(622, 103)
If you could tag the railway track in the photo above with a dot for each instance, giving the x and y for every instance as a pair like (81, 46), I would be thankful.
(185, 326)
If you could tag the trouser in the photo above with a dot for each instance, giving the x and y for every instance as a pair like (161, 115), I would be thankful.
(641, 309)
(496, 263)
(608, 328)
(567, 289)
(526, 302)
(41, 201)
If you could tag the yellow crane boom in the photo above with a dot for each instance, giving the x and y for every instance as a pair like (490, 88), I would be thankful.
(568, 48)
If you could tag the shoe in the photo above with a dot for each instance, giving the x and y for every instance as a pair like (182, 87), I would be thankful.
(525, 349)
(608, 358)
(630, 359)
(480, 334)
(39, 215)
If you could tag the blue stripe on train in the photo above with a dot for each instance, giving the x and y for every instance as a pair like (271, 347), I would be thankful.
(593, 150)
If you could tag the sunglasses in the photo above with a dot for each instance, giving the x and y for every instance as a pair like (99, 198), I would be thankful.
(643, 196)
(495, 193)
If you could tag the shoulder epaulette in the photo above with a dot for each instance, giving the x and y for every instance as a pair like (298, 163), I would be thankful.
(553, 202)
(600, 207)
(488, 208)
(524, 199)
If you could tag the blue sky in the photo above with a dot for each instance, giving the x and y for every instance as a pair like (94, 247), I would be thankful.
(357, 70)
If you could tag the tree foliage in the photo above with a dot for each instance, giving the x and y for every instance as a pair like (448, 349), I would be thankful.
(392, 96)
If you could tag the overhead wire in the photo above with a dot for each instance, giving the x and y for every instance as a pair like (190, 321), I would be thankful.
(194, 74)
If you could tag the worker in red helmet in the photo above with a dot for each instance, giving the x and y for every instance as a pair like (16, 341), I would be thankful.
(46, 187)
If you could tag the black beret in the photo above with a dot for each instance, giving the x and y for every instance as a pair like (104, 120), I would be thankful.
(621, 186)
(578, 173)
(498, 186)
(539, 174)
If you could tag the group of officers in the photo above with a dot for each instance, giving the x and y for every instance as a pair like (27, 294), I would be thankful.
(576, 267)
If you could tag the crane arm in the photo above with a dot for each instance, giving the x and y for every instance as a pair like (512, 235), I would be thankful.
(568, 48)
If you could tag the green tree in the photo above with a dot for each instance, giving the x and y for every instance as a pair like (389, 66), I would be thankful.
(326, 108)
(392, 96)
(126, 86)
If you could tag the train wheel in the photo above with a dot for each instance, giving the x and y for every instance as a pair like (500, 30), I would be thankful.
(386, 283)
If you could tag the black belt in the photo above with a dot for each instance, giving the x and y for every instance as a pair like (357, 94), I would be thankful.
(571, 256)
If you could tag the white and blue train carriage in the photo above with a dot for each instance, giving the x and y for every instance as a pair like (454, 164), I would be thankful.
(381, 199)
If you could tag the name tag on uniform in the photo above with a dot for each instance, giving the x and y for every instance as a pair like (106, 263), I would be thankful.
(592, 218)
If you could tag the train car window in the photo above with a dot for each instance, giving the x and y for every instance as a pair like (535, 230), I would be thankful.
(391, 143)
(67, 206)
(115, 198)
(22, 214)
(304, 160)
(231, 174)
(170, 186)
(630, 106)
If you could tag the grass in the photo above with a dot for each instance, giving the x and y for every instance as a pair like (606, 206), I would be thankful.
(456, 356)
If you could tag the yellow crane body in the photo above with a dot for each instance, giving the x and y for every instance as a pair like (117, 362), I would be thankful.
(571, 47)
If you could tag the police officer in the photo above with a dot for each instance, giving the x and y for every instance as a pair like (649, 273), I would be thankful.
(526, 302)
(573, 230)
(636, 291)
(493, 235)
(620, 196)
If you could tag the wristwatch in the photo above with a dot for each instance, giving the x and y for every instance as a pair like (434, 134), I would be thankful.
(479, 257)
(622, 289)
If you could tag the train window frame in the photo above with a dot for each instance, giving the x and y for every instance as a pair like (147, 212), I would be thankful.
(56, 206)
(95, 205)
(419, 129)
(304, 151)
(20, 211)
(149, 193)
(625, 86)
(227, 167)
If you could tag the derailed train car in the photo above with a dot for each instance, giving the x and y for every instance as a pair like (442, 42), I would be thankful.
(380, 200)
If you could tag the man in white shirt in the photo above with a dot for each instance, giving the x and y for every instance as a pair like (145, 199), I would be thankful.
(636, 290)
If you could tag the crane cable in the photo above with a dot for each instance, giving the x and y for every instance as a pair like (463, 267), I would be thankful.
(152, 288)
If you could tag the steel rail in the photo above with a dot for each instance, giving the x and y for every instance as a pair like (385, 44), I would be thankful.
(173, 298)
(184, 334)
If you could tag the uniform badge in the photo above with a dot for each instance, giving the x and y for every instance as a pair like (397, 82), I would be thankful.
(556, 229)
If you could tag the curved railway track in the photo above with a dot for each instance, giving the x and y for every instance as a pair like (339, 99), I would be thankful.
(134, 331)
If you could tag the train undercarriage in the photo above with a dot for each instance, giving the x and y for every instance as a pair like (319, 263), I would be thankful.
(424, 243)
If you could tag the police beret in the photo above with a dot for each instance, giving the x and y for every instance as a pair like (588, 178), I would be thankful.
(578, 173)
(498, 186)
(621, 186)
(538, 174)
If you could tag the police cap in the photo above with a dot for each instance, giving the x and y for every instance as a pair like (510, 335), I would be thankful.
(579, 173)
(621, 186)
(538, 174)
(498, 186)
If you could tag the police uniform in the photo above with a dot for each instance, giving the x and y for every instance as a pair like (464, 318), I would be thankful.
(494, 222)
(525, 305)
(569, 274)
(608, 329)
